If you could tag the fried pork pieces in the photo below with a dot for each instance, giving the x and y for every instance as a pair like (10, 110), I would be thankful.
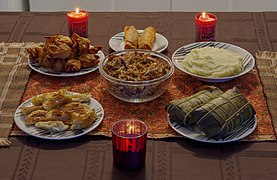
(64, 54)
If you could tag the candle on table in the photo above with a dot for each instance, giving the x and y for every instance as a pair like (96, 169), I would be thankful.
(205, 25)
(78, 22)
(129, 139)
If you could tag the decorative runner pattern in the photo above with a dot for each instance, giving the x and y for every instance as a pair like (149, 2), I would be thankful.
(153, 113)
(13, 79)
(267, 65)
(15, 75)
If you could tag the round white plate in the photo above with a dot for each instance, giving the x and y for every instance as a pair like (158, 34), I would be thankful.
(19, 119)
(179, 55)
(239, 133)
(43, 70)
(117, 42)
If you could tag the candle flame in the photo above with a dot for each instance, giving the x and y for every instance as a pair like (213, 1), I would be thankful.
(203, 14)
(77, 10)
(131, 129)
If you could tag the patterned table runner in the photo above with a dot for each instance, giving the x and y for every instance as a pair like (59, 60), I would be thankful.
(153, 113)
(13, 79)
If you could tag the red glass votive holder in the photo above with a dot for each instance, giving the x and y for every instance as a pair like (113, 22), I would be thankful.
(205, 26)
(129, 144)
(78, 22)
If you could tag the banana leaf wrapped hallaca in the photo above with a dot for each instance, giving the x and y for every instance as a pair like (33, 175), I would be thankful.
(180, 109)
(220, 116)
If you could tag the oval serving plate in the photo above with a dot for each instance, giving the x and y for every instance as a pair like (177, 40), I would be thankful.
(195, 134)
(179, 55)
(43, 70)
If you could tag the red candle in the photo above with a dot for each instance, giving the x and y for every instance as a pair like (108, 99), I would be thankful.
(78, 22)
(205, 25)
(129, 138)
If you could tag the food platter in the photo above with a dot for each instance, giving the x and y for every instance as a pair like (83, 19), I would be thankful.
(195, 134)
(44, 134)
(117, 42)
(43, 70)
(179, 55)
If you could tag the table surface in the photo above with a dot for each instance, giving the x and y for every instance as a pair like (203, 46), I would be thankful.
(90, 157)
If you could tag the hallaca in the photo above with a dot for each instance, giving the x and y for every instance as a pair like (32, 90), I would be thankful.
(223, 114)
(180, 110)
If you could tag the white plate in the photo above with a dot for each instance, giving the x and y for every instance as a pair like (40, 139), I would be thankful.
(19, 119)
(239, 133)
(43, 70)
(179, 55)
(117, 42)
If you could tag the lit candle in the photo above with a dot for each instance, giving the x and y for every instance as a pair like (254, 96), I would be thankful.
(78, 22)
(205, 25)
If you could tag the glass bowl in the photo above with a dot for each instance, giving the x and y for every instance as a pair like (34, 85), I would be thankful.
(136, 91)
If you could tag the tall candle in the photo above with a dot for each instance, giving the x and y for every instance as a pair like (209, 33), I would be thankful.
(205, 26)
(78, 22)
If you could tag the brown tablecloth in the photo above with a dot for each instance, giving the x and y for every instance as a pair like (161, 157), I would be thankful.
(91, 157)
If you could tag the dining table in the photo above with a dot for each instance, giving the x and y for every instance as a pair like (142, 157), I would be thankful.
(169, 155)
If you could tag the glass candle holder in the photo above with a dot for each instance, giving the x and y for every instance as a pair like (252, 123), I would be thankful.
(129, 144)
(78, 22)
(205, 26)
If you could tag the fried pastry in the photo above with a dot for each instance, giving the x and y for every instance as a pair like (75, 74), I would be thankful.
(76, 97)
(55, 101)
(89, 60)
(131, 37)
(75, 107)
(41, 98)
(58, 115)
(38, 99)
(64, 39)
(147, 38)
(35, 116)
(94, 49)
(46, 61)
(83, 120)
(27, 110)
(56, 111)
(52, 126)
(35, 53)
(83, 43)
(58, 65)
(73, 65)
(61, 53)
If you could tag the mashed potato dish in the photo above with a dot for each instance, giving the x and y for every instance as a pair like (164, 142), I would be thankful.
(213, 62)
